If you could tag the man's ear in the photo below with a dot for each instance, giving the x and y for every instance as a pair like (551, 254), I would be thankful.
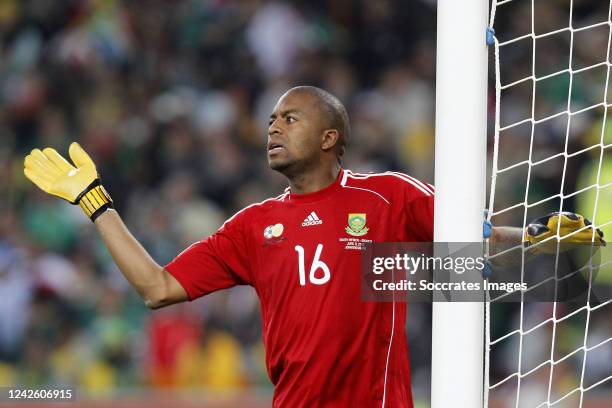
(329, 139)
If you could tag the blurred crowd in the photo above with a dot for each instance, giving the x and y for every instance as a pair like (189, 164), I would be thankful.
(171, 99)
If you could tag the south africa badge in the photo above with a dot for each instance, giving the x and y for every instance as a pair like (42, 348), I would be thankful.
(357, 225)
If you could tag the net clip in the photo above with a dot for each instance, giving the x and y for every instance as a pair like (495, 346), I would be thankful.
(490, 36)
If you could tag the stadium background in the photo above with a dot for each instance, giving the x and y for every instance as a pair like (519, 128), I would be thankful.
(172, 99)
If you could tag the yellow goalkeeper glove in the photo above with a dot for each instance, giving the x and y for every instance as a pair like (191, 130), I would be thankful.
(566, 222)
(78, 184)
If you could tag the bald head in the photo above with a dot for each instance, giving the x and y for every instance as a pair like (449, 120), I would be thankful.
(332, 111)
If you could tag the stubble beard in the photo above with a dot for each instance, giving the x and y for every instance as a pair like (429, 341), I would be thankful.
(288, 168)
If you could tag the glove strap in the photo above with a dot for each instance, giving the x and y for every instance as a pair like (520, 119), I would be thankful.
(94, 200)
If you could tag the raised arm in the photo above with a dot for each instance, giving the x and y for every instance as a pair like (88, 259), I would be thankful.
(79, 184)
(153, 283)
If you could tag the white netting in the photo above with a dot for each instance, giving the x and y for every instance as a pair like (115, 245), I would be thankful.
(552, 152)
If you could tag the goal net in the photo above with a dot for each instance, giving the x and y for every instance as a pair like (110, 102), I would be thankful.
(552, 151)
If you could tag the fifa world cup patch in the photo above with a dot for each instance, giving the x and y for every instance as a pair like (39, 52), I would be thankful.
(273, 234)
(356, 224)
(273, 231)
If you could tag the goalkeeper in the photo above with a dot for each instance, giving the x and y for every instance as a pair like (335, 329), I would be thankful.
(325, 347)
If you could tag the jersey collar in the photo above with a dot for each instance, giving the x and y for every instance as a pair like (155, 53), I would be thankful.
(318, 195)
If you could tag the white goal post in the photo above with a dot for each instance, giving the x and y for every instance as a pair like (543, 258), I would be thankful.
(460, 179)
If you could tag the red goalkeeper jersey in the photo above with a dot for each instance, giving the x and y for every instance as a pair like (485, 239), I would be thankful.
(325, 347)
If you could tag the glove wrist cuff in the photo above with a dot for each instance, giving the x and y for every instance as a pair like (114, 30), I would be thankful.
(94, 200)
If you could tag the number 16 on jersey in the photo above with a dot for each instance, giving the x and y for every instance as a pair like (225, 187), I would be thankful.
(316, 264)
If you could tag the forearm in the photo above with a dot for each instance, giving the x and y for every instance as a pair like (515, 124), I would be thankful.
(502, 239)
(506, 236)
(149, 279)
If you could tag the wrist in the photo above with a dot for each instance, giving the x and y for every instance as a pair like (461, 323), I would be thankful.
(95, 200)
(104, 216)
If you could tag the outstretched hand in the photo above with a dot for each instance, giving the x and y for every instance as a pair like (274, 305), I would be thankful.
(55, 175)
(573, 229)
(78, 183)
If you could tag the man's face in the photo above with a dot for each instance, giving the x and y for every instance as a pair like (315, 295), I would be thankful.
(294, 135)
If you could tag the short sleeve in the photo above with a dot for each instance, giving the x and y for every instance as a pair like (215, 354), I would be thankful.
(214, 263)
(421, 218)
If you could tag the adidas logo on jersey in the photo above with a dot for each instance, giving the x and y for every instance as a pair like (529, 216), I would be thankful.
(312, 219)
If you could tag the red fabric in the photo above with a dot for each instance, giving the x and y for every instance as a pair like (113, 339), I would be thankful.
(325, 347)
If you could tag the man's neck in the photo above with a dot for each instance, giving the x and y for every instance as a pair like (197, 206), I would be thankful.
(314, 180)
